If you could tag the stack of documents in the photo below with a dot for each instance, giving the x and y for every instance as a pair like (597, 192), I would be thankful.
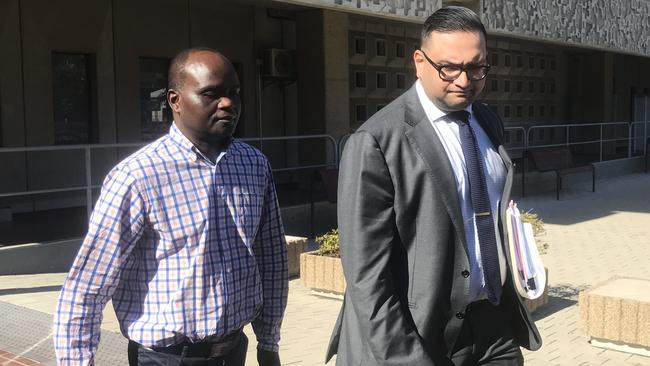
(527, 267)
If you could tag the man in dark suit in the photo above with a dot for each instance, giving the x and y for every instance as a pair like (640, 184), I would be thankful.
(423, 188)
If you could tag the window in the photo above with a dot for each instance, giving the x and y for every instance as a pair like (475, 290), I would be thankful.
(359, 79)
(531, 62)
(542, 111)
(552, 64)
(155, 115)
(506, 86)
(552, 87)
(520, 61)
(495, 85)
(400, 49)
(360, 46)
(542, 64)
(400, 81)
(520, 86)
(381, 47)
(519, 111)
(381, 80)
(506, 111)
(72, 98)
(495, 59)
(542, 87)
(551, 111)
(360, 112)
(531, 86)
(531, 111)
(506, 60)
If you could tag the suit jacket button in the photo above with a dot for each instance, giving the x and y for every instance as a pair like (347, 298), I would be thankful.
(465, 273)
(460, 315)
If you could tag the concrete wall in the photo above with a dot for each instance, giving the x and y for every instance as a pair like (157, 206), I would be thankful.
(619, 25)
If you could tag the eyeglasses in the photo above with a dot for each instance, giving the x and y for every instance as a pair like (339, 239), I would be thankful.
(452, 72)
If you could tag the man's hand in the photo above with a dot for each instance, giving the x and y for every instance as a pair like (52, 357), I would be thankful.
(267, 358)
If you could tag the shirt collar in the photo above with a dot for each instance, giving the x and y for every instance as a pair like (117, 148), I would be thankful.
(431, 110)
(188, 147)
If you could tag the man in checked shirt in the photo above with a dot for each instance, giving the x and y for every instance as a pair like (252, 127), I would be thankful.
(186, 239)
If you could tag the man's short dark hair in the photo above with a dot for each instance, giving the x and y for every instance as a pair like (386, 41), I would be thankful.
(452, 19)
(177, 66)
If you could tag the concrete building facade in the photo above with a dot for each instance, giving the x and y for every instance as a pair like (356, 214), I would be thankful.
(79, 72)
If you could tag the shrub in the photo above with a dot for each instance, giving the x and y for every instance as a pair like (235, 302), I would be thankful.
(328, 243)
(538, 229)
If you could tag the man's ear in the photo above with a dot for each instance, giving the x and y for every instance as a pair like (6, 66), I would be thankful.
(173, 98)
(419, 62)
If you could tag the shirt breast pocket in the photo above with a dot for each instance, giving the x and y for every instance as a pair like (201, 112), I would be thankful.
(249, 211)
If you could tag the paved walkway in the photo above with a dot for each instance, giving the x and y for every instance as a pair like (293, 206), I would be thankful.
(591, 237)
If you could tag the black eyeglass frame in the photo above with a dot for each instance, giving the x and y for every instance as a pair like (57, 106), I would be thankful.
(462, 69)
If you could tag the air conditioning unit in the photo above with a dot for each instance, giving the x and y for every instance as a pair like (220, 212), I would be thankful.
(278, 63)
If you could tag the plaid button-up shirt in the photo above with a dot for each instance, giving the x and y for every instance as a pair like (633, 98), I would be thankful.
(184, 247)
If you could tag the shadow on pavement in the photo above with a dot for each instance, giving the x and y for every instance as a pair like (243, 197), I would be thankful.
(29, 290)
(627, 193)
(559, 298)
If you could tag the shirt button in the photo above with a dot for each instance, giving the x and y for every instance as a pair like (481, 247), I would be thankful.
(465, 273)
(460, 315)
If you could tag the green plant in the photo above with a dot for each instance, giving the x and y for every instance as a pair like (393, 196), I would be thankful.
(538, 229)
(328, 243)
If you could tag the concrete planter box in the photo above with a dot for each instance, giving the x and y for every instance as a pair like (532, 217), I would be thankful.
(296, 245)
(533, 305)
(325, 274)
(322, 273)
(616, 315)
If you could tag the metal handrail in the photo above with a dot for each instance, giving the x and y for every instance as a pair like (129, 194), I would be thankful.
(523, 137)
(88, 187)
(337, 147)
(568, 127)
(341, 143)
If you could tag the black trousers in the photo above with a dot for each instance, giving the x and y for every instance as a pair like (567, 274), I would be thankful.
(486, 338)
(141, 356)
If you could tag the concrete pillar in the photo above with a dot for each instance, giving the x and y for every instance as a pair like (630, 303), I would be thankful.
(12, 117)
(337, 87)
(608, 87)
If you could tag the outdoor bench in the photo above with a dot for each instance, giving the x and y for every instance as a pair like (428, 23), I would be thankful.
(559, 159)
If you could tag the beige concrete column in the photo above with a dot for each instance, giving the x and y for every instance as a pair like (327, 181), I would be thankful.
(337, 88)
(608, 87)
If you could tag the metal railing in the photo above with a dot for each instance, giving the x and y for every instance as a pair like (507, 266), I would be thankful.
(573, 139)
(515, 140)
(88, 150)
(518, 141)
(334, 149)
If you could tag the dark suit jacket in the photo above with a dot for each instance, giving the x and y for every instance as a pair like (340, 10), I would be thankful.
(403, 245)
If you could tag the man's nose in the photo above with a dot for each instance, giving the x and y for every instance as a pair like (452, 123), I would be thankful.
(226, 102)
(463, 79)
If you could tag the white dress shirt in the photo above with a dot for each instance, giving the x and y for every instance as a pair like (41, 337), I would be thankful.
(495, 176)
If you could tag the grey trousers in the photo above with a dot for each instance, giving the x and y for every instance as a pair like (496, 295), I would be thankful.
(486, 338)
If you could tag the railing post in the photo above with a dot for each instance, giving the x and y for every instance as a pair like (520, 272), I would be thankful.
(645, 138)
(601, 142)
(567, 135)
(89, 183)
(630, 140)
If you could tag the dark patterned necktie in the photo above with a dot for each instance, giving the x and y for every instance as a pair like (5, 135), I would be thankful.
(481, 204)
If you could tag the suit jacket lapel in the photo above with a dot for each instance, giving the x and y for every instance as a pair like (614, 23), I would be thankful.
(426, 142)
